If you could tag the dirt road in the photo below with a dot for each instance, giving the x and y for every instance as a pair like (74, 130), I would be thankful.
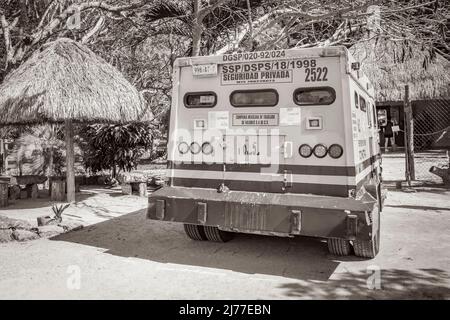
(124, 256)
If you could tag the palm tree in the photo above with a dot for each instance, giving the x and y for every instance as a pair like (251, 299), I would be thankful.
(38, 146)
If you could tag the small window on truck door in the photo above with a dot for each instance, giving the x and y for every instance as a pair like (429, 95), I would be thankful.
(314, 96)
(254, 98)
(356, 100)
(200, 99)
(374, 115)
(362, 104)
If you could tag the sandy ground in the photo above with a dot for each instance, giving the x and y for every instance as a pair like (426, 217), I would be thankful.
(122, 255)
(394, 165)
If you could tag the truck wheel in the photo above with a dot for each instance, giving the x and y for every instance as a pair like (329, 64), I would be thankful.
(339, 247)
(367, 248)
(214, 234)
(195, 232)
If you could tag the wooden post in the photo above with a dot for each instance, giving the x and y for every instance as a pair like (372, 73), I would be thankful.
(14, 192)
(3, 156)
(409, 138)
(127, 189)
(32, 191)
(142, 189)
(406, 129)
(50, 168)
(412, 169)
(3, 194)
(70, 162)
(23, 194)
(58, 189)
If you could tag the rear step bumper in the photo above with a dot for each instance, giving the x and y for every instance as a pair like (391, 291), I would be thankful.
(267, 213)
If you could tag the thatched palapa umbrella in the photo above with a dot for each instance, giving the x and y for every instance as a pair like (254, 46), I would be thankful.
(65, 82)
(391, 65)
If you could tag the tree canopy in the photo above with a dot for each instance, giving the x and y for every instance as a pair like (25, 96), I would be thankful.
(143, 38)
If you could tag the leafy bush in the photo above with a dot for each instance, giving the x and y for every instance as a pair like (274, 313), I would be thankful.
(38, 150)
(112, 146)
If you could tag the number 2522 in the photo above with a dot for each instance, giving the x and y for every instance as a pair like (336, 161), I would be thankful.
(316, 74)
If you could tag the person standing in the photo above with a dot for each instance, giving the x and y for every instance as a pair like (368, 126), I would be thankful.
(388, 135)
(380, 134)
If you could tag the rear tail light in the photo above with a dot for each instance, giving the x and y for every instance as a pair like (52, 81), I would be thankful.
(183, 148)
(320, 151)
(195, 148)
(207, 148)
(305, 150)
(335, 151)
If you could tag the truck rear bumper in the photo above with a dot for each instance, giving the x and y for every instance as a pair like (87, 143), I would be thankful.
(267, 213)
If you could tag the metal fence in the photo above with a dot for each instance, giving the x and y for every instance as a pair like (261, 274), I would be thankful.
(431, 136)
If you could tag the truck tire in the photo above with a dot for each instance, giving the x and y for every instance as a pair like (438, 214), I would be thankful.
(339, 247)
(367, 248)
(216, 235)
(195, 232)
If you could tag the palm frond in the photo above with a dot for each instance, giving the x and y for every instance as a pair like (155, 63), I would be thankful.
(167, 9)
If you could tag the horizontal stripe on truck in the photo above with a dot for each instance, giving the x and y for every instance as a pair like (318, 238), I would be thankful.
(295, 169)
(257, 176)
(263, 186)
(257, 168)
(366, 163)
(366, 172)
(364, 177)
(340, 190)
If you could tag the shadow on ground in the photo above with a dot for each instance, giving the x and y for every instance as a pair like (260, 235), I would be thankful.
(133, 235)
(44, 198)
(393, 284)
(304, 260)
(423, 208)
(442, 189)
(417, 186)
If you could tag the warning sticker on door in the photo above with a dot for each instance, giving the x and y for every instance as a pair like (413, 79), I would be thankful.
(218, 119)
(290, 116)
(255, 119)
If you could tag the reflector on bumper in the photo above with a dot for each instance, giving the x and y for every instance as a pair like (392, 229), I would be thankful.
(202, 212)
(160, 208)
(296, 220)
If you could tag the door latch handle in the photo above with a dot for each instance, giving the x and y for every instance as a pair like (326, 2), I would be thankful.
(287, 149)
(287, 179)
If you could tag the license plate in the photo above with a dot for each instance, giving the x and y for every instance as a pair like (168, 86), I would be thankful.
(204, 70)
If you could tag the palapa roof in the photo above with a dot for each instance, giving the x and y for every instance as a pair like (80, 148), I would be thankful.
(390, 65)
(66, 80)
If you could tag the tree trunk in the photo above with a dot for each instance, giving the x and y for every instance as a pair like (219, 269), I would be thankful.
(250, 22)
(2, 156)
(6, 28)
(50, 167)
(70, 162)
(197, 29)
(19, 163)
(3, 194)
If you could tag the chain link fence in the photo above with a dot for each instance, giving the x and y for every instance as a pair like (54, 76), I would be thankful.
(431, 138)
